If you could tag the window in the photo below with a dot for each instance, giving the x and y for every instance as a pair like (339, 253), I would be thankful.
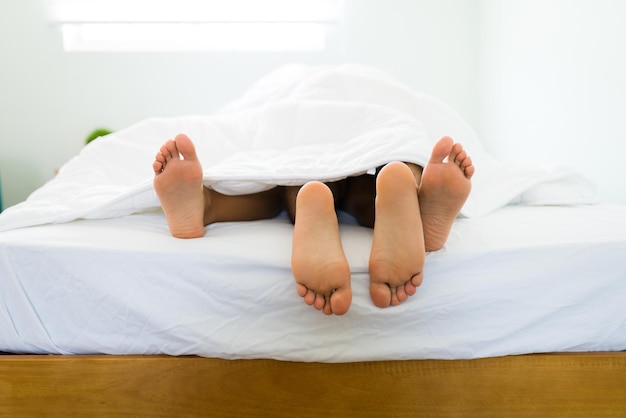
(200, 25)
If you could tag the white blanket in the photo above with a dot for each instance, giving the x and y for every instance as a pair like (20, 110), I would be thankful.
(299, 123)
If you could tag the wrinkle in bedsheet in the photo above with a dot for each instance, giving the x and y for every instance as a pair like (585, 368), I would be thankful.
(23, 318)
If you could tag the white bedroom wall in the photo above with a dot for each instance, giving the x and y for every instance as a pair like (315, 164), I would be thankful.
(50, 100)
(553, 85)
(539, 80)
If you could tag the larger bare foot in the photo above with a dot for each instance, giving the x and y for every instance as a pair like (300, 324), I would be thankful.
(318, 262)
(445, 186)
(178, 184)
(397, 257)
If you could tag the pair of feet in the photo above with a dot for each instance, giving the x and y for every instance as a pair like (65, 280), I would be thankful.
(411, 219)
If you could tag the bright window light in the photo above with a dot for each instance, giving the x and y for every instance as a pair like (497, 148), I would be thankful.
(194, 25)
(194, 37)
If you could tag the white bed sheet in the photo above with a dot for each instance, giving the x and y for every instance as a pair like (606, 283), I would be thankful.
(520, 280)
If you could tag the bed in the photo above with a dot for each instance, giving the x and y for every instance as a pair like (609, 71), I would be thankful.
(534, 280)
(104, 313)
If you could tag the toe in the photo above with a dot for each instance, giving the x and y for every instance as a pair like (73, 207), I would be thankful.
(409, 288)
(301, 289)
(417, 279)
(441, 150)
(401, 293)
(309, 297)
(327, 310)
(395, 301)
(168, 150)
(320, 302)
(380, 294)
(340, 301)
(460, 157)
(469, 171)
(157, 166)
(456, 150)
(185, 146)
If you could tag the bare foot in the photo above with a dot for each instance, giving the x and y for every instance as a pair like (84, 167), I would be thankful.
(397, 256)
(318, 262)
(445, 186)
(178, 183)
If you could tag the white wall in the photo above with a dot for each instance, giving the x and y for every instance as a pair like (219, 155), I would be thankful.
(540, 80)
(553, 85)
(50, 100)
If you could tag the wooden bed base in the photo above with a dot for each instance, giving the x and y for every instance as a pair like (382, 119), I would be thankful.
(574, 385)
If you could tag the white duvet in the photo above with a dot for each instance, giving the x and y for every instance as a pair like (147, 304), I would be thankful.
(299, 123)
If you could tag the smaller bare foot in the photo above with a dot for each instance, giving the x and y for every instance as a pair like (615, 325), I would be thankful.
(318, 262)
(178, 184)
(397, 257)
(445, 186)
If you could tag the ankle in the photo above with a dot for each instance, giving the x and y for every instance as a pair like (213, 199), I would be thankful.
(209, 211)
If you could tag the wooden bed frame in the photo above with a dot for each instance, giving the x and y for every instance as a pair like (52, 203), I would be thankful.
(573, 385)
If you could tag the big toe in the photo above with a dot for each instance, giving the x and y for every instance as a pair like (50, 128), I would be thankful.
(340, 301)
(380, 294)
(441, 150)
(186, 147)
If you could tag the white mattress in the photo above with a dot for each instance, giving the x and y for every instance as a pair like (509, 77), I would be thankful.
(520, 280)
